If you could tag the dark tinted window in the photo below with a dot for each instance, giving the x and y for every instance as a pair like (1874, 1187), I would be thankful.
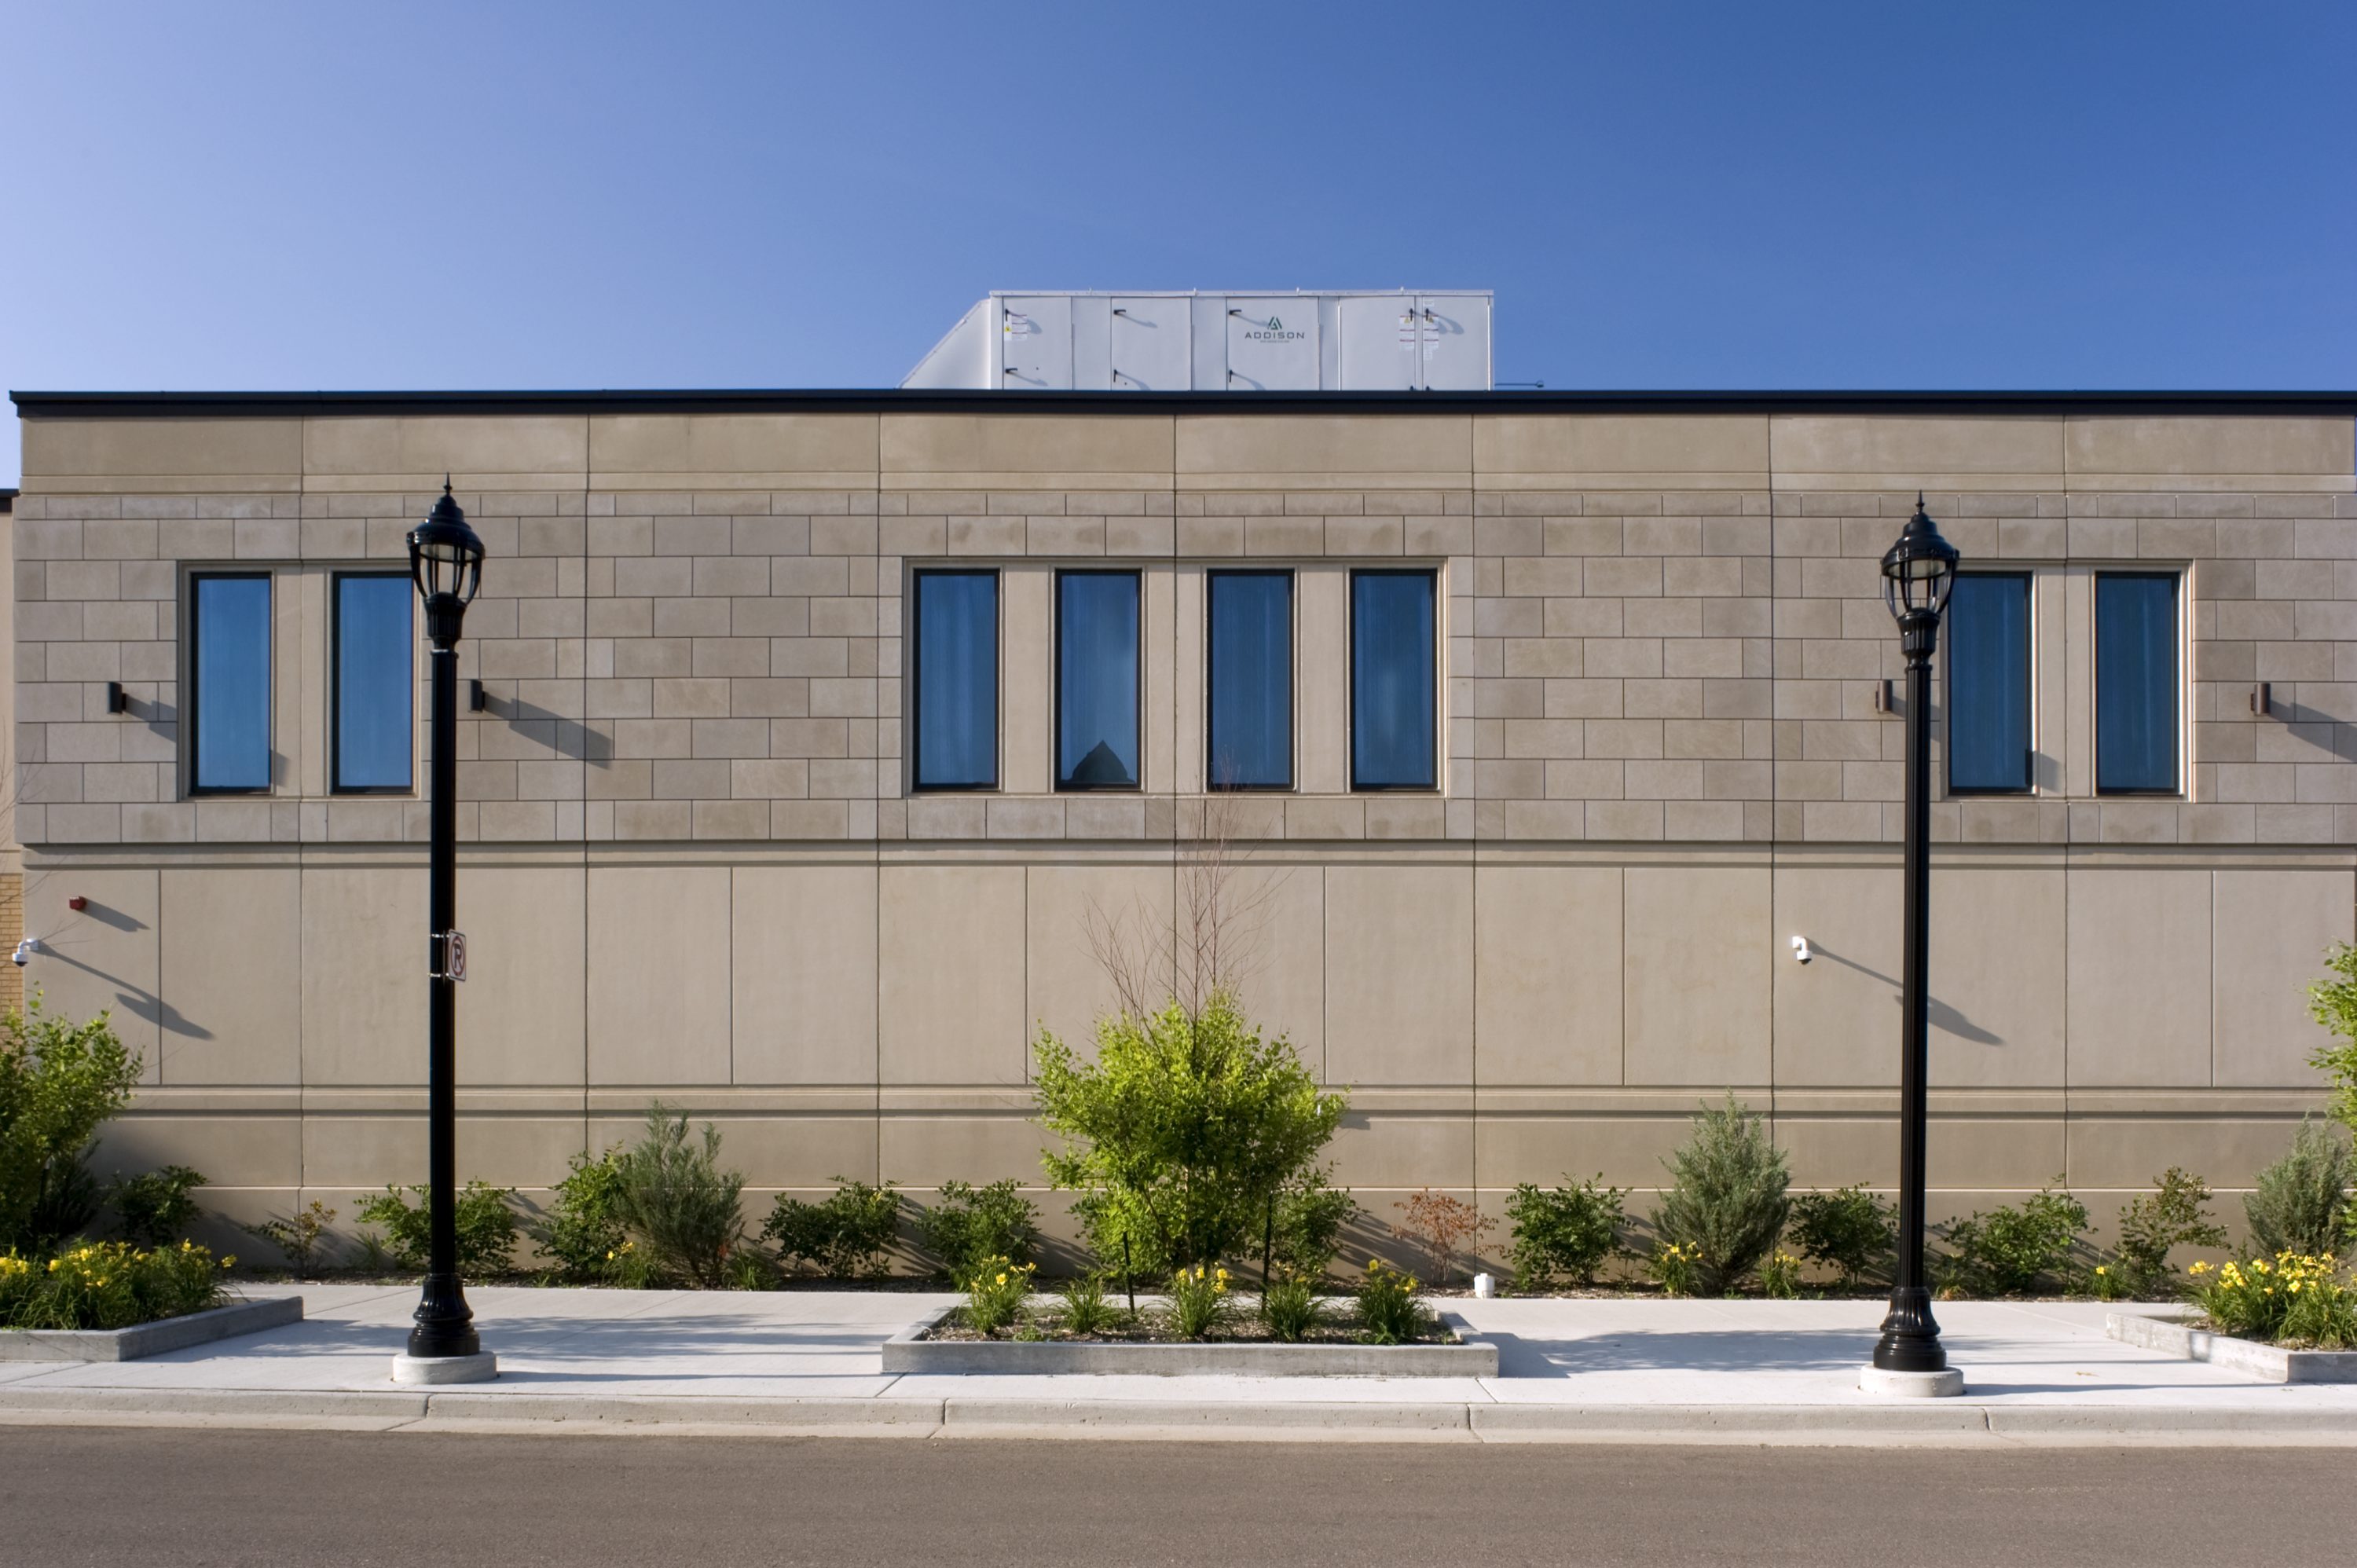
(1988, 683)
(230, 713)
(1096, 681)
(956, 730)
(1392, 668)
(2135, 683)
(374, 682)
(1250, 678)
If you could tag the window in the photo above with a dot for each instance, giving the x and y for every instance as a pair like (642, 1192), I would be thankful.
(2136, 683)
(1988, 683)
(375, 682)
(1393, 670)
(955, 670)
(1096, 681)
(228, 717)
(1250, 676)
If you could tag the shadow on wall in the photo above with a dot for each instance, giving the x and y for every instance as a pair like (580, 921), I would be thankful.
(145, 1006)
(1943, 1016)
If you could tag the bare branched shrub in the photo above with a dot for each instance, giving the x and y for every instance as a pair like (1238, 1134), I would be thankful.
(1213, 939)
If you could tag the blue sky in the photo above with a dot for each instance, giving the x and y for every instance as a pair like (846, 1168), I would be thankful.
(1742, 195)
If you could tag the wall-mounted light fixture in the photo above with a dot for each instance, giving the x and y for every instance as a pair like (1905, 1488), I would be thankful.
(1801, 950)
(477, 700)
(2261, 704)
(118, 700)
(1882, 695)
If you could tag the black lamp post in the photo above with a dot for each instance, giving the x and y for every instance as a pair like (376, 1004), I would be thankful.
(445, 562)
(1917, 572)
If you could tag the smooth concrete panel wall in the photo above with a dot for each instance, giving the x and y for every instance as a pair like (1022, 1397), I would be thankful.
(364, 982)
(522, 1011)
(1547, 966)
(1696, 974)
(1281, 969)
(230, 974)
(2139, 1008)
(1997, 978)
(803, 973)
(1399, 974)
(659, 975)
(950, 999)
(1070, 912)
(1838, 1016)
(2272, 928)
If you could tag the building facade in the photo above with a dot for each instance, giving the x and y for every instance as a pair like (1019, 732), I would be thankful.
(815, 726)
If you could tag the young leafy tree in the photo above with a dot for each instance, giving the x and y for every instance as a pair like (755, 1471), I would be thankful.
(1180, 1131)
(2334, 1005)
(59, 1081)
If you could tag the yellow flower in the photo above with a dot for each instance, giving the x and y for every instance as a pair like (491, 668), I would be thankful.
(2101, 1270)
(1002, 1278)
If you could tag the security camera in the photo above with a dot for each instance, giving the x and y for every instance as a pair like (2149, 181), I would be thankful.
(25, 951)
(1801, 948)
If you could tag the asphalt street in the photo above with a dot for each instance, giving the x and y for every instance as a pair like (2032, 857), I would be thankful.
(131, 1496)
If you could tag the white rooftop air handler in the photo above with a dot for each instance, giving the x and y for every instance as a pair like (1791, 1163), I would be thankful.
(1336, 340)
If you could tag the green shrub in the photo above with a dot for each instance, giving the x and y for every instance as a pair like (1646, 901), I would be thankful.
(1562, 1231)
(582, 1231)
(108, 1284)
(1389, 1310)
(297, 1235)
(59, 1081)
(2173, 1214)
(2301, 1202)
(678, 1204)
(1288, 1307)
(1086, 1308)
(995, 1294)
(971, 1223)
(847, 1234)
(1179, 1131)
(2009, 1251)
(1726, 1200)
(486, 1226)
(154, 1209)
(1310, 1218)
(1850, 1230)
(1199, 1301)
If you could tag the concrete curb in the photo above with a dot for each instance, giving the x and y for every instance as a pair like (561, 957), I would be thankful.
(909, 1351)
(2277, 1365)
(1861, 1424)
(150, 1338)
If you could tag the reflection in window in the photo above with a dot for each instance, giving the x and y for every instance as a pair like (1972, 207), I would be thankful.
(1250, 678)
(2135, 683)
(1393, 669)
(955, 738)
(1096, 681)
(1988, 683)
(375, 684)
(230, 713)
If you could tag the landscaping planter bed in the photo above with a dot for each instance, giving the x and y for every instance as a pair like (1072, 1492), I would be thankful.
(150, 1338)
(2183, 1337)
(1455, 1353)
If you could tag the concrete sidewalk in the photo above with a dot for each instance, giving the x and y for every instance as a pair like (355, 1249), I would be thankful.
(1675, 1372)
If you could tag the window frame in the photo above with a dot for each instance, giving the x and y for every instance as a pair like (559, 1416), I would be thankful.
(2028, 785)
(1292, 680)
(916, 629)
(1056, 698)
(2179, 602)
(1350, 673)
(336, 786)
(193, 715)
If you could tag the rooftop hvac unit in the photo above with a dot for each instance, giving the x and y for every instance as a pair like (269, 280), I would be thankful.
(1403, 340)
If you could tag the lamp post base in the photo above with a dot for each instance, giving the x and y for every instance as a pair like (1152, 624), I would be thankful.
(479, 1368)
(1942, 1384)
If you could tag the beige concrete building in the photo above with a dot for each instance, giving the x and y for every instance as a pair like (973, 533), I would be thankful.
(696, 864)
